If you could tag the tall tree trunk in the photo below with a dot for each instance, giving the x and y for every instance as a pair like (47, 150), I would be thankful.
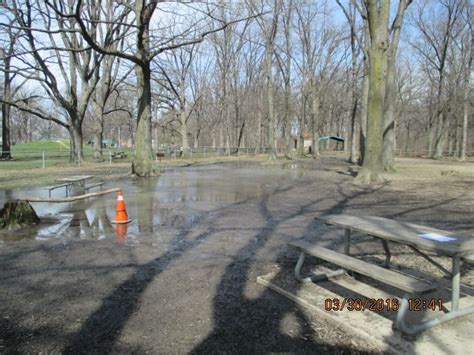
(97, 143)
(378, 14)
(241, 134)
(182, 114)
(98, 129)
(287, 69)
(6, 143)
(196, 137)
(466, 103)
(184, 131)
(259, 142)
(354, 97)
(301, 151)
(407, 143)
(363, 117)
(75, 133)
(439, 134)
(288, 137)
(270, 32)
(354, 151)
(388, 129)
(143, 162)
(213, 136)
(314, 121)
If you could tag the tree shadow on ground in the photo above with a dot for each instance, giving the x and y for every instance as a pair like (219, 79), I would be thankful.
(100, 331)
(243, 325)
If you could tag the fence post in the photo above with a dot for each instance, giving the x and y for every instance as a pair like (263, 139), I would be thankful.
(44, 166)
(110, 157)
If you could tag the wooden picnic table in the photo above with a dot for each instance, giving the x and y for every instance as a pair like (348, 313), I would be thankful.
(76, 179)
(69, 181)
(420, 239)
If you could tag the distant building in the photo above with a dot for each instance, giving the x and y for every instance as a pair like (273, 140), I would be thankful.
(108, 143)
(338, 142)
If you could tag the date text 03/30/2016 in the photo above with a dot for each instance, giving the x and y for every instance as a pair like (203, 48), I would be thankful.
(380, 304)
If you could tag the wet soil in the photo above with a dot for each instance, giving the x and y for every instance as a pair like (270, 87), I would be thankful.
(181, 278)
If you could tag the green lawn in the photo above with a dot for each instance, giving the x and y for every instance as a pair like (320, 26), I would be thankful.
(54, 153)
(62, 144)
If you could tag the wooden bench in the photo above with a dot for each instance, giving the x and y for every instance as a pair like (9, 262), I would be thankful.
(51, 188)
(401, 281)
(91, 186)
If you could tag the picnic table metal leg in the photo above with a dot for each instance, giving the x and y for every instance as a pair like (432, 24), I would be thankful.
(347, 241)
(419, 327)
(455, 279)
(315, 278)
(388, 255)
(298, 266)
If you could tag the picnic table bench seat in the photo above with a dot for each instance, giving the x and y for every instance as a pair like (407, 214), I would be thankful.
(54, 187)
(91, 186)
(421, 239)
(401, 281)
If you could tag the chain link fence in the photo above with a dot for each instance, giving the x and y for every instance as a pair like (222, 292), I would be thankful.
(406, 153)
(61, 157)
(37, 158)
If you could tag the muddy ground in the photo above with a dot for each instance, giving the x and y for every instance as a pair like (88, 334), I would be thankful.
(182, 276)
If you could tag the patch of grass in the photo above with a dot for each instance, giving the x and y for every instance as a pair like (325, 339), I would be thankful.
(417, 168)
(41, 146)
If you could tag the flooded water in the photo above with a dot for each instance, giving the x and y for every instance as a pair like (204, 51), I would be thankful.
(173, 201)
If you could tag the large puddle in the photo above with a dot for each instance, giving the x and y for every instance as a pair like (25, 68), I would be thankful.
(172, 201)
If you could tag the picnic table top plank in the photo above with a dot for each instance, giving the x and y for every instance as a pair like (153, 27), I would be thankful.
(389, 277)
(75, 178)
(405, 233)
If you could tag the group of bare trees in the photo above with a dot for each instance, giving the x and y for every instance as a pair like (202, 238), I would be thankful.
(261, 73)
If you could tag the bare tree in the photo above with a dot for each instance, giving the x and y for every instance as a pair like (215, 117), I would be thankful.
(149, 42)
(174, 77)
(436, 37)
(11, 34)
(42, 57)
(269, 26)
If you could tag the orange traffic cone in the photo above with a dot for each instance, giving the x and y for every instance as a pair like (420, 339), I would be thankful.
(121, 212)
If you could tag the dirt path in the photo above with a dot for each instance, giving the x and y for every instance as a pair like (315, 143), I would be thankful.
(182, 277)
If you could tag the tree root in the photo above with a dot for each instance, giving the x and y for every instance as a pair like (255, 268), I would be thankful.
(17, 214)
(367, 177)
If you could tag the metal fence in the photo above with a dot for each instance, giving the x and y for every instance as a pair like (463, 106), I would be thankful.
(425, 153)
(60, 157)
(23, 159)
(37, 158)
